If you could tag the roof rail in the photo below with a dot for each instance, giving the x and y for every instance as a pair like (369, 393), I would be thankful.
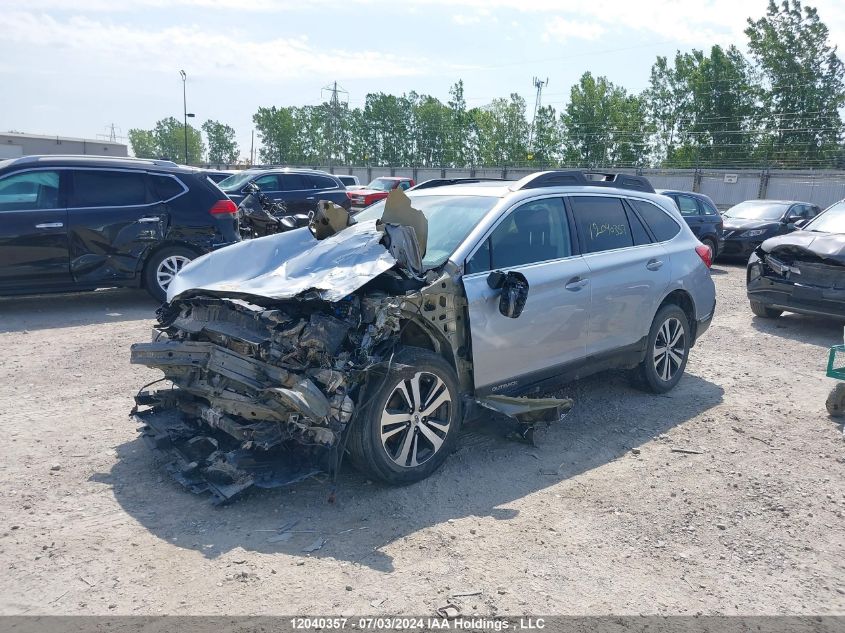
(34, 158)
(443, 182)
(572, 177)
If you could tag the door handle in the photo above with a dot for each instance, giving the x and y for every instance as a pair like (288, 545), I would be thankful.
(149, 220)
(49, 225)
(576, 283)
(310, 198)
(654, 264)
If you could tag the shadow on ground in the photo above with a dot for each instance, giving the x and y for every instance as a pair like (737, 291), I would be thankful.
(802, 328)
(41, 312)
(485, 475)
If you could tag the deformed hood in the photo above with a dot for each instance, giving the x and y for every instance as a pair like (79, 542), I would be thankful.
(288, 264)
(742, 224)
(826, 246)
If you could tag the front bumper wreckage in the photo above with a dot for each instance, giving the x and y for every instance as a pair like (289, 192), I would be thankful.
(269, 346)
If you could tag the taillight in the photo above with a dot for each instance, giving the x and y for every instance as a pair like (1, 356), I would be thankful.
(705, 254)
(349, 195)
(224, 207)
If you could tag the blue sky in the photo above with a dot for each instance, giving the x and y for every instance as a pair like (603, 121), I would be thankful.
(74, 67)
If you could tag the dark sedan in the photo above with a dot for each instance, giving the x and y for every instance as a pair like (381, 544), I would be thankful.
(801, 272)
(750, 223)
(299, 189)
(701, 214)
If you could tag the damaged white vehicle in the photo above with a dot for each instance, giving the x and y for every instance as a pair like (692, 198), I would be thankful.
(378, 336)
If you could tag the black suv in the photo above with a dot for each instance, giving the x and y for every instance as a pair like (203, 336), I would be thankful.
(298, 189)
(82, 222)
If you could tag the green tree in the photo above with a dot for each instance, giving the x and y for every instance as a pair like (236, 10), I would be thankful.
(276, 129)
(548, 139)
(170, 139)
(458, 128)
(804, 88)
(703, 108)
(222, 147)
(143, 143)
(604, 125)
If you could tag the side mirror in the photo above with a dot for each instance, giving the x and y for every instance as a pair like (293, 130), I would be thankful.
(797, 224)
(513, 289)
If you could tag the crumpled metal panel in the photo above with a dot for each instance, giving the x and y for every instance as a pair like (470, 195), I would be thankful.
(528, 410)
(289, 264)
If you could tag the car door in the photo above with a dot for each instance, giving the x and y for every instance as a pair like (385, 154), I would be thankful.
(33, 230)
(113, 220)
(297, 193)
(691, 212)
(628, 272)
(535, 239)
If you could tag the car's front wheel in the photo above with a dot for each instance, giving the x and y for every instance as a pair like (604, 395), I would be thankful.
(667, 350)
(761, 310)
(163, 267)
(410, 421)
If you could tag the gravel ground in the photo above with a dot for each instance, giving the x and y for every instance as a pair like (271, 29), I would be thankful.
(601, 517)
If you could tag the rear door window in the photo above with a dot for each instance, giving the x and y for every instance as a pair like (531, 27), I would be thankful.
(106, 188)
(602, 223)
(662, 226)
(293, 182)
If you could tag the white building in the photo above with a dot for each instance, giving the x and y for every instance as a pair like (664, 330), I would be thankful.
(13, 145)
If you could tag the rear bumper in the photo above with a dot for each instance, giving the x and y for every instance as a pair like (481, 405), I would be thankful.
(791, 297)
(703, 324)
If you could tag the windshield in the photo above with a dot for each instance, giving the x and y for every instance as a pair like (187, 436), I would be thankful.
(757, 210)
(450, 219)
(382, 184)
(236, 181)
(831, 221)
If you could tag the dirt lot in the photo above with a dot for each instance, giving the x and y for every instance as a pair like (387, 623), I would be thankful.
(601, 517)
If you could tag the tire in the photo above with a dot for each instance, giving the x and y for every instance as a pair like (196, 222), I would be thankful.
(761, 310)
(163, 266)
(709, 243)
(835, 402)
(416, 444)
(663, 365)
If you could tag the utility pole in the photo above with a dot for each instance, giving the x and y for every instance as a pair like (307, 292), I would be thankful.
(185, 113)
(334, 118)
(252, 148)
(539, 84)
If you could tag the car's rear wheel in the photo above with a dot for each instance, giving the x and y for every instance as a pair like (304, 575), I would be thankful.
(667, 350)
(163, 267)
(410, 420)
(762, 310)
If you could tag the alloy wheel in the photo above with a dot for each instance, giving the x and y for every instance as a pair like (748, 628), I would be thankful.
(669, 349)
(168, 268)
(416, 419)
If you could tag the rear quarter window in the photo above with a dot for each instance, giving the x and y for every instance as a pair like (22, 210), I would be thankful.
(165, 187)
(661, 224)
(323, 182)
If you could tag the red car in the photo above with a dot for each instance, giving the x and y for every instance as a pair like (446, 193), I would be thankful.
(377, 190)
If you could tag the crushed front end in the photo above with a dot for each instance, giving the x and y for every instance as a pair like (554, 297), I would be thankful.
(797, 280)
(261, 395)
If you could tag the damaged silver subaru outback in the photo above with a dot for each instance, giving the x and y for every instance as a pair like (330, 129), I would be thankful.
(377, 336)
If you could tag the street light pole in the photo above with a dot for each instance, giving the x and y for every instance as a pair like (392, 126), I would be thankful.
(185, 112)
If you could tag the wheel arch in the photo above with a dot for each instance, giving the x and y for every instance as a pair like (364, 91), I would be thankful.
(155, 250)
(684, 301)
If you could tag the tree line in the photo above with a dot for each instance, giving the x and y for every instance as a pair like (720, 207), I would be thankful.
(777, 106)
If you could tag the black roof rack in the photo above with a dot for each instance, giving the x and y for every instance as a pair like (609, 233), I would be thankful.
(563, 178)
(442, 182)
